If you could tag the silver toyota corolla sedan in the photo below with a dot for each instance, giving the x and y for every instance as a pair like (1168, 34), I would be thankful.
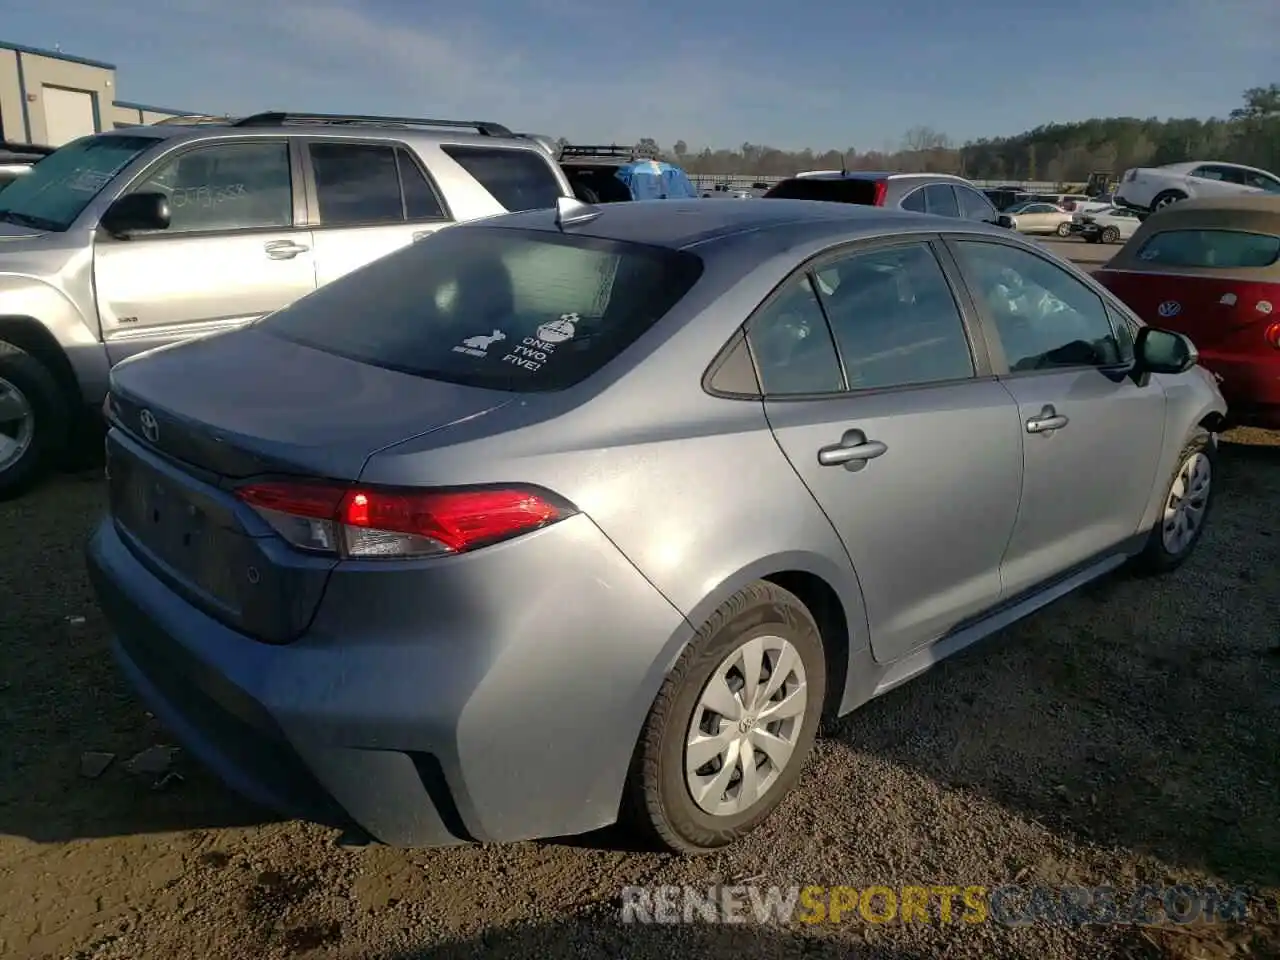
(584, 514)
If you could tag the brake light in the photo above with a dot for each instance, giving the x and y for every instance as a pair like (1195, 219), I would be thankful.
(381, 522)
(882, 190)
(1272, 335)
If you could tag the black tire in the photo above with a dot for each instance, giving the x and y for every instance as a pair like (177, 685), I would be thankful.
(51, 419)
(1064, 229)
(657, 803)
(1156, 558)
(1110, 235)
(1166, 198)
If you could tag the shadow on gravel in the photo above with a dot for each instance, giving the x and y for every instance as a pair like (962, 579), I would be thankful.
(61, 696)
(1139, 713)
(593, 935)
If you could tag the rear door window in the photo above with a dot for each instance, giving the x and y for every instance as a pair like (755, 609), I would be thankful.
(356, 184)
(914, 201)
(941, 200)
(974, 206)
(505, 309)
(1229, 249)
(517, 179)
(836, 190)
(894, 318)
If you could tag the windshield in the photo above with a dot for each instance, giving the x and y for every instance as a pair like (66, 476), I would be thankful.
(54, 191)
(494, 307)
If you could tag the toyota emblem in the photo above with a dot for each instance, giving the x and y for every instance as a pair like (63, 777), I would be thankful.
(150, 428)
(1170, 308)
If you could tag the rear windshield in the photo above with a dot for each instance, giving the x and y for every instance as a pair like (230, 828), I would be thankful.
(843, 190)
(1211, 248)
(494, 307)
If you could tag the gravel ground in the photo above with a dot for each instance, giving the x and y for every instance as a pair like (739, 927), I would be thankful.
(1126, 735)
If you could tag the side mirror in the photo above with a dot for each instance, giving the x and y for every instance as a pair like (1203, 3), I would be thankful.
(1004, 220)
(1163, 351)
(137, 211)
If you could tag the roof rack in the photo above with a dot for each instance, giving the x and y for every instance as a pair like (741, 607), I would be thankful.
(190, 119)
(610, 150)
(279, 119)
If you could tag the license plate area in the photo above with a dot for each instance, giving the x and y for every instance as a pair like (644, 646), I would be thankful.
(174, 526)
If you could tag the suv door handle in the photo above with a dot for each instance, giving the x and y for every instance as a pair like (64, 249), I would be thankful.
(1048, 420)
(421, 235)
(853, 451)
(284, 249)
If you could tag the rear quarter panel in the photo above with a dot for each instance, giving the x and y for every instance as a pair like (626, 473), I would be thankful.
(691, 488)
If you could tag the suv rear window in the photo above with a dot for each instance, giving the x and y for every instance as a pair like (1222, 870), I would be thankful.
(1211, 248)
(517, 179)
(494, 307)
(842, 190)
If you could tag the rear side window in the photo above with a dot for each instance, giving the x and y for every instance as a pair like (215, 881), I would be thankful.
(941, 200)
(356, 183)
(974, 206)
(517, 310)
(914, 201)
(1211, 248)
(517, 179)
(843, 190)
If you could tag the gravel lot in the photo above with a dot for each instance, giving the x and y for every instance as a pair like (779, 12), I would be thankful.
(1126, 735)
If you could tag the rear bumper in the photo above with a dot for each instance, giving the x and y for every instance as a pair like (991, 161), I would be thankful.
(419, 736)
(1250, 385)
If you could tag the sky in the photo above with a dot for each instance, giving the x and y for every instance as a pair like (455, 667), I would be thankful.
(787, 73)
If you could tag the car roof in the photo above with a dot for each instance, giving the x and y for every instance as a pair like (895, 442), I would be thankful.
(871, 175)
(679, 224)
(372, 128)
(1251, 213)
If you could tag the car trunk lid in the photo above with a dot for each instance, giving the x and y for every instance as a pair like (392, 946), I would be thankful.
(193, 422)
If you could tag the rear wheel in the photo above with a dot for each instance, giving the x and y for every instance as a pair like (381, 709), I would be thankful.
(1166, 198)
(1064, 229)
(33, 420)
(730, 729)
(1111, 235)
(1188, 497)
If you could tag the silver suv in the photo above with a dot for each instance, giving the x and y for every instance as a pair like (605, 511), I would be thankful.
(143, 236)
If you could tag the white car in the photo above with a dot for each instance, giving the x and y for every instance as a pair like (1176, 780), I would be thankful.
(1150, 188)
(1032, 218)
(1109, 225)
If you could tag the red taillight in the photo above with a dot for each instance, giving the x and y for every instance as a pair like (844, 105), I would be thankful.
(882, 189)
(1272, 334)
(376, 522)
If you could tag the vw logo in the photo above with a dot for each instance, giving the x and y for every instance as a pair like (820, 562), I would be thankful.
(1170, 308)
(150, 428)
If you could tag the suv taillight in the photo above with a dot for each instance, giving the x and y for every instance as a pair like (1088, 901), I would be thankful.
(1272, 335)
(376, 522)
(882, 190)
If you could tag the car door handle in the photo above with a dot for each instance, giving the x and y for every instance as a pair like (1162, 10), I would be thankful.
(854, 449)
(284, 249)
(422, 235)
(1049, 419)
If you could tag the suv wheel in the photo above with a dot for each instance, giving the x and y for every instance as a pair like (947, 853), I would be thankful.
(1064, 229)
(33, 420)
(732, 725)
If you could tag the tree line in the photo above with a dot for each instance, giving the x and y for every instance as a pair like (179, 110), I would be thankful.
(1057, 152)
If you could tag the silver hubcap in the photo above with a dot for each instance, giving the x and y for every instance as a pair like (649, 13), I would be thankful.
(745, 727)
(17, 424)
(1184, 511)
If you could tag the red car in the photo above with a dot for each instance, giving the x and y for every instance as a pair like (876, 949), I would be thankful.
(1211, 269)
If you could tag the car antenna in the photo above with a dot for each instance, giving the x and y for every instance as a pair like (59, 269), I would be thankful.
(570, 212)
